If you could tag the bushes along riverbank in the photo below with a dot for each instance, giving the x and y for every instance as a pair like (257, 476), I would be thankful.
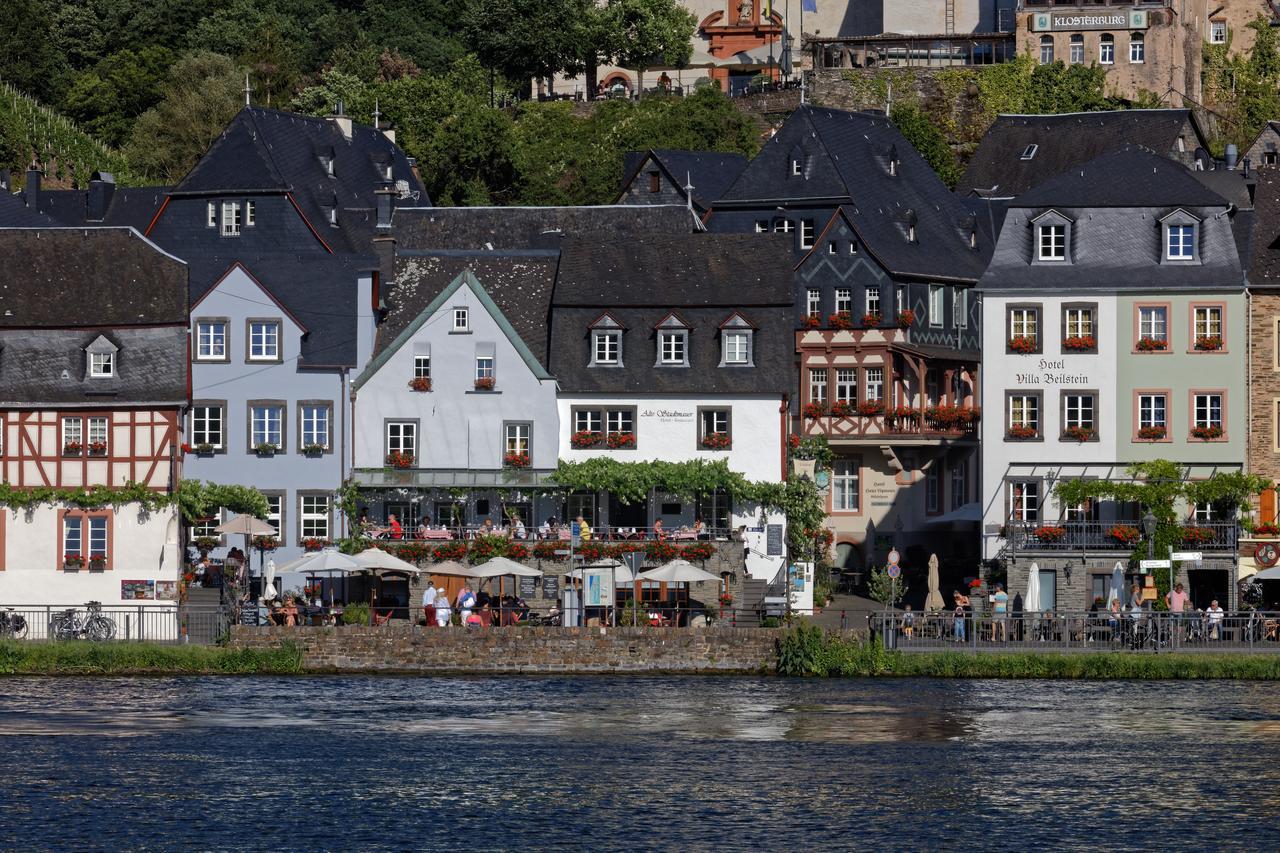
(81, 658)
(809, 651)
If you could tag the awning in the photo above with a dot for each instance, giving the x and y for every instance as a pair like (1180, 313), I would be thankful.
(970, 513)
(416, 478)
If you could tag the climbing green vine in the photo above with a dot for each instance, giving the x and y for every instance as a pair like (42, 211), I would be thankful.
(195, 499)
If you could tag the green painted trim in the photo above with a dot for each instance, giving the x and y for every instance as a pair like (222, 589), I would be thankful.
(469, 279)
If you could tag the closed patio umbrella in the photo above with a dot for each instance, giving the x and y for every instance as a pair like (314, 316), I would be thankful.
(1116, 592)
(1031, 604)
(933, 602)
(268, 580)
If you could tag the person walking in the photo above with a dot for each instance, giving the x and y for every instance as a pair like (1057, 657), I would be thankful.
(466, 602)
(442, 607)
(1176, 600)
(429, 603)
(999, 610)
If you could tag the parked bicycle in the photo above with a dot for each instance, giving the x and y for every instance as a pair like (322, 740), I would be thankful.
(13, 625)
(70, 625)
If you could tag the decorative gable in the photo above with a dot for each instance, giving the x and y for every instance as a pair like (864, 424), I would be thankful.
(606, 321)
(737, 321)
(673, 321)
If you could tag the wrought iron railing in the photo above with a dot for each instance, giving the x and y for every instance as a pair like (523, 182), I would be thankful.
(1113, 535)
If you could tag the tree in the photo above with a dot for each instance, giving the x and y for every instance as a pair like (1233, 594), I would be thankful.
(334, 85)
(108, 98)
(885, 589)
(521, 39)
(203, 94)
(29, 55)
(929, 141)
(648, 33)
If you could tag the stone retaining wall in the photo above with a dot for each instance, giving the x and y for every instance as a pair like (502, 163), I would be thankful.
(403, 648)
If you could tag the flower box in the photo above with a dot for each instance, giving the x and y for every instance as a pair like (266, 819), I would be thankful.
(1078, 433)
(871, 321)
(1195, 535)
(1212, 343)
(1080, 343)
(621, 440)
(840, 320)
(447, 551)
(906, 318)
(1022, 433)
(265, 449)
(484, 383)
(97, 448)
(585, 438)
(1206, 433)
(313, 450)
(204, 449)
(902, 413)
(71, 448)
(516, 460)
(1125, 534)
(400, 459)
(546, 549)
(518, 551)
(1151, 345)
(951, 417)
(871, 408)
(265, 543)
(716, 441)
(1049, 533)
(698, 551)
(1266, 530)
(1152, 433)
(811, 321)
(313, 543)
(660, 551)
(72, 562)
(420, 383)
(1024, 344)
(841, 409)
(815, 409)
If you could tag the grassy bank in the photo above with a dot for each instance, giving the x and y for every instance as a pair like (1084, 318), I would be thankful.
(80, 658)
(809, 651)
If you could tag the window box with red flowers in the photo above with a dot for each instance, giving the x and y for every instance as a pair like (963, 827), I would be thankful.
(716, 441)
(400, 459)
(1049, 533)
(97, 448)
(815, 410)
(516, 460)
(1022, 433)
(621, 440)
(840, 320)
(1080, 433)
(906, 318)
(71, 448)
(698, 551)
(871, 321)
(841, 409)
(811, 321)
(1151, 345)
(518, 551)
(484, 383)
(592, 550)
(661, 551)
(313, 543)
(1125, 534)
(264, 543)
(1206, 433)
(546, 549)
(72, 562)
(1024, 344)
(447, 551)
(951, 417)
(1266, 530)
(1152, 433)
(1080, 343)
(903, 413)
(585, 438)
(1194, 535)
(871, 408)
(97, 562)
(420, 383)
(1211, 343)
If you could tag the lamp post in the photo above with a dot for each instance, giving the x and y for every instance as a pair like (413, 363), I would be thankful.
(1149, 528)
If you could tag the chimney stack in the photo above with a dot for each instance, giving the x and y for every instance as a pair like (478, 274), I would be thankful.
(102, 186)
(31, 189)
(341, 119)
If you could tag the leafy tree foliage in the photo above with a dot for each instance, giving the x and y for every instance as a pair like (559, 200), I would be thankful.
(929, 141)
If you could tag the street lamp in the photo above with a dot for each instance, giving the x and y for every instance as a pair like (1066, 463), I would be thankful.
(1149, 528)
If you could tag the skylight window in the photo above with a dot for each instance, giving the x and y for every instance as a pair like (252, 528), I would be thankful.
(1029, 151)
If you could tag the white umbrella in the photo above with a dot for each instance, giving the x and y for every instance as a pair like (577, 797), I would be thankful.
(501, 566)
(1117, 584)
(621, 574)
(269, 579)
(376, 558)
(452, 568)
(1031, 604)
(933, 601)
(246, 524)
(1272, 574)
(326, 560)
(677, 571)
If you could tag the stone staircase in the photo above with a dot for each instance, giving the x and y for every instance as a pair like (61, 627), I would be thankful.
(749, 603)
(201, 615)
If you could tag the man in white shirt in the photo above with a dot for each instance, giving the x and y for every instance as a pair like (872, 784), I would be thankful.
(517, 528)
(429, 602)
(1215, 620)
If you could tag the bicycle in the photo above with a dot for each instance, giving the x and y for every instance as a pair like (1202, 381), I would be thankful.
(13, 625)
(68, 625)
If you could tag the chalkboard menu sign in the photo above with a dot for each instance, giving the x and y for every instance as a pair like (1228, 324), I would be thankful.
(773, 540)
(550, 587)
(528, 587)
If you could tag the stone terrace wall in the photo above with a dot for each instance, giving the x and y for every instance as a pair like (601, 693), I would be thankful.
(403, 648)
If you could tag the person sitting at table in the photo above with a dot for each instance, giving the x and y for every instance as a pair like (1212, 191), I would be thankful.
(487, 529)
(659, 532)
(290, 611)
(364, 524)
(700, 529)
(421, 532)
(584, 529)
(397, 532)
(548, 524)
(517, 528)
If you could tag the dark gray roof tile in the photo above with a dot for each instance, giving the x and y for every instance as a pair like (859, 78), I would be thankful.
(501, 228)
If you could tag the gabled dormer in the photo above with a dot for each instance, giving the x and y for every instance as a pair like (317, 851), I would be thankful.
(672, 337)
(101, 361)
(606, 341)
(1051, 238)
(737, 341)
(799, 162)
(1180, 237)
(893, 163)
(325, 155)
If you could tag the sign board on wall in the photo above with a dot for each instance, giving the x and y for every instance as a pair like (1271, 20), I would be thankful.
(773, 540)
(550, 587)
(1102, 19)
(528, 588)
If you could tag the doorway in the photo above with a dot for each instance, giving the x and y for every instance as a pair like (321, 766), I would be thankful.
(628, 515)
(1205, 585)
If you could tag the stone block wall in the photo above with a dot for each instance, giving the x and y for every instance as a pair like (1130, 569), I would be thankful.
(402, 648)
(1264, 379)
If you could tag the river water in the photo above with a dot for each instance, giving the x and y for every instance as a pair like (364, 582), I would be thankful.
(636, 763)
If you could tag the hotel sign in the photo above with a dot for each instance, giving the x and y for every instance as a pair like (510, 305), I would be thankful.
(1052, 372)
(1116, 19)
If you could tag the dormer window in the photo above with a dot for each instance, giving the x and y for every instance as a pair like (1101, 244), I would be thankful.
(1052, 242)
(461, 319)
(231, 220)
(101, 357)
(333, 216)
(1180, 233)
(797, 167)
(673, 342)
(737, 342)
(606, 342)
(250, 213)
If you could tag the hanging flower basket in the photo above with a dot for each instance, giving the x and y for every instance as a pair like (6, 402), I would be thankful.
(399, 459)
(1024, 344)
(1125, 534)
(1152, 433)
(206, 543)
(840, 320)
(841, 409)
(516, 460)
(1080, 343)
(815, 409)
(906, 318)
(1206, 433)
(484, 383)
(1211, 343)
(313, 543)
(420, 383)
(264, 543)
(621, 440)
(871, 321)
(1151, 345)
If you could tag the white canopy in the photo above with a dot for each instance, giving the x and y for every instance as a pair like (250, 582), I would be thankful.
(677, 571)
(377, 559)
(452, 568)
(621, 574)
(319, 562)
(501, 566)
(247, 525)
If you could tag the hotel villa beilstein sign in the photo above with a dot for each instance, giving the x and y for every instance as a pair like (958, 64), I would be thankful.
(1102, 19)
(1052, 371)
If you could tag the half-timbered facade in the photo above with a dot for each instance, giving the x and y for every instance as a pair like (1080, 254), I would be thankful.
(93, 384)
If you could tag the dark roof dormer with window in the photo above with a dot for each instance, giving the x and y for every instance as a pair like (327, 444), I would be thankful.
(693, 290)
(661, 176)
(1128, 220)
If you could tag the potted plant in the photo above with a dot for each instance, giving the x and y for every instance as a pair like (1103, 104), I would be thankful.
(420, 383)
(1079, 433)
(518, 551)
(204, 448)
(1151, 345)
(698, 551)
(264, 543)
(811, 321)
(1209, 343)
(906, 318)
(1080, 343)
(72, 562)
(584, 438)
(1206, 433)
(1023, 344)
(516, 460)
(871, 408)
(716, 441)
(400, 459)
(484, 383)
(266, 449)
(621, 440)
(312, 449)
(816, 409)
(1022, 433)
(840, 320)
(1152, 433)
(871, 320)
(1050, 533)
(71, 448)
(97, 562)
(205, 544)
(1125, 534)
(841, 409)
(1266, 530)
(97, 448)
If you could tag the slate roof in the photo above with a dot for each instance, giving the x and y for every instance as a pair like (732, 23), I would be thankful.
(710, 172)
(703, 279)
(43, 366)
(134, 207)
(14, 213)
(503, 228)
(1066, 140)
(269, 151)
(1264, 265)
(88, 277)
(1132, 176)
(320, 291)
(848, 163)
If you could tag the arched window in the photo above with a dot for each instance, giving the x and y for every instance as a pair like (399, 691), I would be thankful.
(1107, 49)
(1077, 49)
(1137, 48)
(1046, 50)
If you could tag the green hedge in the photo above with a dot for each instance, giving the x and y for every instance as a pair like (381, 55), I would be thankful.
(83, 658)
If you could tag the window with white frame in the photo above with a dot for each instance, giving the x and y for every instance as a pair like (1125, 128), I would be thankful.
(1046, 50)
(937, 299)
(817, 385)
(713, 422)
(484, 367)
(873, 301)
(102, 365)
(1107, 49)
(587, 420)
(1075, 54)
(1153, 322)
(797, 167)
(846, 491)
(933, 488)
(832, 247)
(960, 308)
(73, 535)
(1024, 412)
(847, 385)
(900, 299)
(673, 346)
(1078, 411)
(402, 437)
(266, 425)
(1052, 242)
(1179, 243)
(813, 302)
(206, 528)
(515, 438)
(461, 319)
(737, 347)
(1153, 411)
(783, 226)
(1024, 500)
(808, 233)
(231, 220)
(211, 215)
(606, 346)
(1207, 320)
(620, 420)
(1024, 323)
(1217, 32)
(1137, 48)
(1208, 411)
(959, 484)
(315, 516)
(97, 435)
(250, 212)
(422, 367)
(315, 424)
(875, 383)
(1029, 153)
(72, 434)
(264, 340)
(1202, 513)
(844, 300)
(762, 226)
(275, 512)
(211, 340)
(207, 425)
(1078, 322)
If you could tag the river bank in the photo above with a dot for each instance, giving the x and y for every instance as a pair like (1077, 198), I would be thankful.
(84, 658)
